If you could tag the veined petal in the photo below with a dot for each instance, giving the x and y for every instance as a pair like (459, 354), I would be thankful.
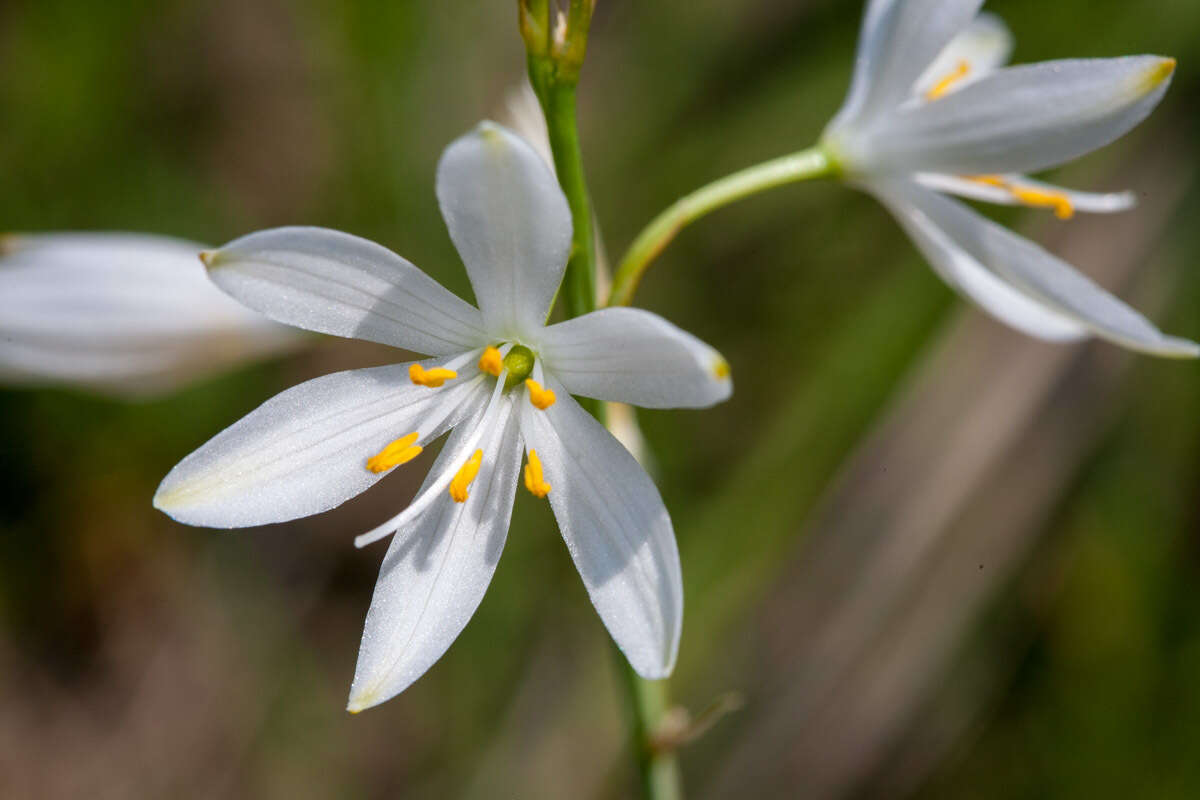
(632, 356)
(437, 570)
(510, 223)
(947, 230)
(305, 450)
(327, 281)
(1021, 119)
(898, 42)
(616, 528)
(982, 48)
(121, 313)
(1009, 189)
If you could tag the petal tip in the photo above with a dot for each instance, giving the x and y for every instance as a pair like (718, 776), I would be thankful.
(208, 258)
(1157, 73)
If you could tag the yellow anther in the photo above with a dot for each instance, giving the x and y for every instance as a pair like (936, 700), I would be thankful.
(1039, 198)
(1036, 198)
(399, 452)
(535, 482)
(721, 370)
(948, 82)
(491, 361)
(433, 378)
(464, 476)
(541, 398)
(1155, 75)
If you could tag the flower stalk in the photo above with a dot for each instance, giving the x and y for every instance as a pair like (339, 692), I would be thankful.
(556, 43)
(814, 162)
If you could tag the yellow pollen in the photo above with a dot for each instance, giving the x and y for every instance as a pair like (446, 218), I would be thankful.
(399, 452)
(535, 482)
(541, 398)
(721, 370)
(491, 361)
(466, 474)
(433, 378)
(1035, 198)
(943, 86)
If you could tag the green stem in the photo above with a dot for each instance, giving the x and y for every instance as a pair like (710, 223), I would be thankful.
(579, 281)
(649, 701)
(804, 165)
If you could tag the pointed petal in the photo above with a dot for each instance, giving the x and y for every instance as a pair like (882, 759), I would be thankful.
(632, 356)
(121, 313)
(990, 192)
(944, 228)
(1022, 119)
(510, 223)
(616, 528)
(982, 48)
(332, 282)
(437, 570)
(305, 450)
(898, 42)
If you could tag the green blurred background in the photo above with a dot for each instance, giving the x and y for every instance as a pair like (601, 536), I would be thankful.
(935, 559)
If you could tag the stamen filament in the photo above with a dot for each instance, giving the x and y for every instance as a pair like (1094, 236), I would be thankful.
(431, 493)
(464, 476)
(399, 452)
(535, 481)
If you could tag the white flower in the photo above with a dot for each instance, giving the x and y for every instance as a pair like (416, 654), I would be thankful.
(500, 379)
(931, 110)
(121, 313)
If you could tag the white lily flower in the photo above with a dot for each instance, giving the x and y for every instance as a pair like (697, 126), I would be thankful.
(932, 110)
(125, 314)
(500, 379)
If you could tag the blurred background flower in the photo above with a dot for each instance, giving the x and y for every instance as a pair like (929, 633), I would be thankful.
(937, 558)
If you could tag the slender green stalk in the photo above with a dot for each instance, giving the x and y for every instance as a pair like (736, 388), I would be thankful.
(649, 701)
(579, 283)
(804, 165)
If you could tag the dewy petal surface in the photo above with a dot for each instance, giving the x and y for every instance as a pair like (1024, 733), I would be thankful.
(1021, 119)
(1032, 271)
(510, 223)
(436, 571)
(628, 355)
(966, 275)
(305, 450)
(122, 313)
(616, 528)
(332, 282)
(898, 42)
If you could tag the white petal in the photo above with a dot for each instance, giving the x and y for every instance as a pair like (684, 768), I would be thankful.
(616, 528)
(123, 313)
(983, 47)
(510, 223)
(898, 42)
(332, 282)
(437, 570)
(989, 192)
(632, 356)
(305, 450)
(1020, 119)
(946, 230)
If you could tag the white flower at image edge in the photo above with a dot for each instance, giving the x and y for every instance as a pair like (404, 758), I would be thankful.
(120, 313)
(932, 110)
(499, 380)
